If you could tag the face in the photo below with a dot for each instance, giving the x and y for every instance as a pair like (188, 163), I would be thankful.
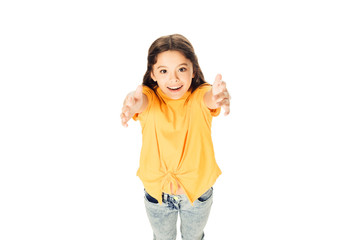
(173, 72)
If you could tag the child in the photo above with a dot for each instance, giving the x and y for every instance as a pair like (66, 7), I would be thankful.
(175, 107)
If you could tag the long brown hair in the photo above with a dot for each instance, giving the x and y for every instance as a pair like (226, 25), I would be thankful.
(175, 42)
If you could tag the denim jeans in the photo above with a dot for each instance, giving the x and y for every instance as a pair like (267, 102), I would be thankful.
(193, 218)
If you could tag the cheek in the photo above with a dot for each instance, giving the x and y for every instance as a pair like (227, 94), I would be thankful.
(162, 84)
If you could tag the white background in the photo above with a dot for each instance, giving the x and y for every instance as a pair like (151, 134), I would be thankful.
(289, 150)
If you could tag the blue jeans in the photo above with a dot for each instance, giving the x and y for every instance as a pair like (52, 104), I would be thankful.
(163, 217)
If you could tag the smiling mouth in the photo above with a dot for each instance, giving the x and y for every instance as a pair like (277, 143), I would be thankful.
(175, 88)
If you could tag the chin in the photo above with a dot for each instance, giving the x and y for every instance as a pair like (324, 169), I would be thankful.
(176, 93)
(175, 97)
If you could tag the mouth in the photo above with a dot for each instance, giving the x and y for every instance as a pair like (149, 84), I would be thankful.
(174, 89)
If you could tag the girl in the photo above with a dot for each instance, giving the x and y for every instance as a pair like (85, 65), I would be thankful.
(175, 107)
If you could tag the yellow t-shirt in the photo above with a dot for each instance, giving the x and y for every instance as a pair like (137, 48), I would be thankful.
(177, 145)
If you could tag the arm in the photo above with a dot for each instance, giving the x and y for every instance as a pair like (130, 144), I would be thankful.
(135, 102)
(218, 96)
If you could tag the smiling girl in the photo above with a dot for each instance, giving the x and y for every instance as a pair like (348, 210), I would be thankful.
(175, 107)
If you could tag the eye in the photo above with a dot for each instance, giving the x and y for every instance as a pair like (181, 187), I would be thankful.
(182, 69)
(163, 71)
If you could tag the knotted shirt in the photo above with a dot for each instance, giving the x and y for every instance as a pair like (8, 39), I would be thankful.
(176, 146)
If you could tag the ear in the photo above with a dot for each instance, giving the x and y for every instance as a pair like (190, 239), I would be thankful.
(152, 76)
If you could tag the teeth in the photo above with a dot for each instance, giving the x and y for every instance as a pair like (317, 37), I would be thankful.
(174, 88)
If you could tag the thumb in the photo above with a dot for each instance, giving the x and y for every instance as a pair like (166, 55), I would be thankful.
(138, 92)
(217, 84)
(218, 78)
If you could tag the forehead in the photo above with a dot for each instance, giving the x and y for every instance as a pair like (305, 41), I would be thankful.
(169, 58)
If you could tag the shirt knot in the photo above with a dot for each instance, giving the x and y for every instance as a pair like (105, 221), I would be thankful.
(168, 180)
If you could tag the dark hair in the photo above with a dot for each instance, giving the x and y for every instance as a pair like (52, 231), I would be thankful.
(175, 42)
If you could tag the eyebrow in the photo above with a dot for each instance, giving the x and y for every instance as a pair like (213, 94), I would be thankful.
(177, 66)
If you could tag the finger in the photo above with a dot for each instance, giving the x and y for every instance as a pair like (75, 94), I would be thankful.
(126, 101)
(227, 110)
(218, 78)
(220, 96)
(225, 102)
(125, 124)
(223, 85)
(124, 120)
(131, 101)
(125, 109)
(217, 84)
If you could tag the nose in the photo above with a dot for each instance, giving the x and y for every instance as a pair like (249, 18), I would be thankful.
(174, 77)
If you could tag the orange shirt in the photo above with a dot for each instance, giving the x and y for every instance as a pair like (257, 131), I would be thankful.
(177, 147)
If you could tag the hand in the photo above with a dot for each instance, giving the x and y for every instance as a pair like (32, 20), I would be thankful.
(220, 94)
(132, 104)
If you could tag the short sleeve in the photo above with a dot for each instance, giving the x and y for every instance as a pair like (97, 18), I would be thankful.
(150, 96)
(200, 92)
